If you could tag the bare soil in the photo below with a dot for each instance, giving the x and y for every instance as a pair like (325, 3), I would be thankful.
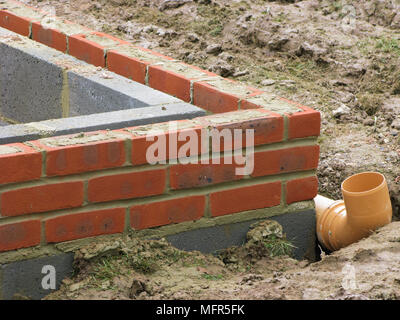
(339, 57)
(131, 268)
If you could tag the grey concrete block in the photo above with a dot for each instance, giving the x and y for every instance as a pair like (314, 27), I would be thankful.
(95, 94)
(298, 226)
(39, 83)
(125, 118)
(18, 133)
(300, 231)
(3, 123)
(30, 86)
(24, 278)
(99, 121)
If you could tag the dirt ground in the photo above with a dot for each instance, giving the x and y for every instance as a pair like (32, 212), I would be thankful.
(152, 269)
(339, 57)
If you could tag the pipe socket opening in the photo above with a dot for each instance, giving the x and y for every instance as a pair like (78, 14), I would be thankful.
(362, 183)
(365, 207)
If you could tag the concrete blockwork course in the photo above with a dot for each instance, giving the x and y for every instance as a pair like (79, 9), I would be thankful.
(59, 188)
(42, 88)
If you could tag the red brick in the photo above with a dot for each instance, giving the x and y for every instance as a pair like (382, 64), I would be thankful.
(212, 99)
(303, 124)
(140, 145)
(169, 82)
(14, 23)
(184, 176)
(19, 235)
(83, 225)
(167, 212)
(267, 129)
(42, 198)
(83, 158)
(139, 149)
(127, 186)
(128, 67)
(21, 166)
(172, 82)
(86, 50)
(245, 198)
(301, 189)
(49, 37)
(245, 105)
(285, 160)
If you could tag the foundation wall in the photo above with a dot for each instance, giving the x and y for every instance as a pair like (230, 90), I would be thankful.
(71, 187)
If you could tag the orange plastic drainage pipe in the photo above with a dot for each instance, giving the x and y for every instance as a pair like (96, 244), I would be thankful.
(365, 207)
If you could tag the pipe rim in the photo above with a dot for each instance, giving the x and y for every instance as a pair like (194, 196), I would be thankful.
(366, 192)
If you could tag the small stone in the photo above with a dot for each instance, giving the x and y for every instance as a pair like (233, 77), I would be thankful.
(105, 75)
(190, 58)
(268, 82)
(286, 82)
(225, 56)
(369, 122)
(289, 84)
(355, 70)
(77, 286)
(192, 37)
(312, 50)
(346, 97)
(222, 68)
(342, 110)
(171, 4)
(240, 73)
(122, 28)
(396, 124)
(214, 49)
(148, 29)
(160, 32)
(277, 44)
(137, 288)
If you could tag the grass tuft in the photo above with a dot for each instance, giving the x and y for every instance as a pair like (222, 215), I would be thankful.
(278, 247)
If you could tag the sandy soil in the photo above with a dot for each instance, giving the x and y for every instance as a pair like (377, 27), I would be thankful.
(339, 57)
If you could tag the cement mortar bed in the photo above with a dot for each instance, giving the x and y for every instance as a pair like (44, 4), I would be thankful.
(47, 93)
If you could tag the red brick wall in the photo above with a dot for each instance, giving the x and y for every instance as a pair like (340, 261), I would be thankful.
(53, 193)
(63, 193)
